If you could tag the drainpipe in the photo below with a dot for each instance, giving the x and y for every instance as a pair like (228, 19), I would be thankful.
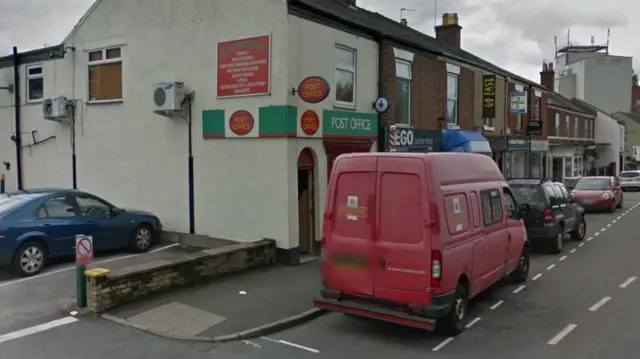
(16, 95)
(381, 125)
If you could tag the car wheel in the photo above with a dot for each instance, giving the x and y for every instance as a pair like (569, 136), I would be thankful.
(621, 201)
(580, 232)
(454, 322)
(521, 273)
(29, 259)
(141, 239)
(613, 206)
(557, 243)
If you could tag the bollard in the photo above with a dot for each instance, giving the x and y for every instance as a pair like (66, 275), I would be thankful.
(84, 256)
(81, 286)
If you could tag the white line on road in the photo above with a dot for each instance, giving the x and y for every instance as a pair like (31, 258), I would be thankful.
(519, 289)
(608, 225)
(37, 329)
(600, 303)
(471, 323)
(590, 238)
(581, 244)
(443, 344)
(563, 333)
(563, 258)
(614, 221)
(62, 270)
(573, 250)
(619, 218)
(551, 267)
(497, 304)
(537, 276)
(316, 351)
(602, 230)
(627, 282)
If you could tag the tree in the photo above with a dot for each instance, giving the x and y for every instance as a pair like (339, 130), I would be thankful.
(634, 79)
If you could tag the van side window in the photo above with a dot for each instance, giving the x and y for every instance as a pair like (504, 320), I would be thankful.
(510, 204)
(475, 209)
(491, 207)
(457, 211)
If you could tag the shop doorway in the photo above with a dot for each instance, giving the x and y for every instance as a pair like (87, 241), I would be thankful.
(308, 246)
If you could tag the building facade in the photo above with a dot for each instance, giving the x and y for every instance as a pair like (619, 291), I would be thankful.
(631, 122)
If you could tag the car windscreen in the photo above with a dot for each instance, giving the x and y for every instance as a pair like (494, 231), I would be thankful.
(528, 193)
(629, 174)
(593, 184)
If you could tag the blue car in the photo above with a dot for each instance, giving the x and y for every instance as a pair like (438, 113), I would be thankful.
(40, 224)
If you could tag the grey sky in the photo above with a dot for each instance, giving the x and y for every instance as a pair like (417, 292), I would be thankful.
(515, 34)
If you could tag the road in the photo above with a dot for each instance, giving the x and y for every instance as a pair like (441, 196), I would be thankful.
(579, 304)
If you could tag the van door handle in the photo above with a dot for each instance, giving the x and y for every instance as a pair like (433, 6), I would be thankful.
(382, 263)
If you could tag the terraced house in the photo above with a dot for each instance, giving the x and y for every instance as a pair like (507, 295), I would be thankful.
(235, 139)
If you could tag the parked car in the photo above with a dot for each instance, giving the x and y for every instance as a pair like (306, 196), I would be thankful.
(554, 213)
(598, 193)
(37, 225)
(629, 180)
(409, 238)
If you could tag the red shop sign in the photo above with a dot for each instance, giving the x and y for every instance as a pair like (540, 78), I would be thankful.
(244, 66)
(241, 122)
(310, 122)
(313, 89)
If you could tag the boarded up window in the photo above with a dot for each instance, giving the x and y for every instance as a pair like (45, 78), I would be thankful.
(105, 75)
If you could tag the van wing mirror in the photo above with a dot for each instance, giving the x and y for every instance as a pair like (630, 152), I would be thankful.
(524, 210)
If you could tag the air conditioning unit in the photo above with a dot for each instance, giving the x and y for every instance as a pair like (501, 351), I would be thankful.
(168, 97)
(55, 108)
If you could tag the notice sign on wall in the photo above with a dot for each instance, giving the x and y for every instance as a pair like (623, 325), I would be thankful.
(489, 96)
(244, 67)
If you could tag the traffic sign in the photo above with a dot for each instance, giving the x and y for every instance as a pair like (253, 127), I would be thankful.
(381, 105)
(84, 250)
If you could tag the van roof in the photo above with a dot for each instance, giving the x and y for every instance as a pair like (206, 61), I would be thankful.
(448, 167)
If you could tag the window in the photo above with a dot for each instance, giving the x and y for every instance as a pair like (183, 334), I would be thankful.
(567, 167)
(567, 127)
(90, 206)
(57, 207)
(585, 128)
(565, 193)
(452, 99)
(536, 108)
(551, 194)
(519, 121)
(345, 75)
(510, 205)
(403, 92)
(491, 207)
(105, 75)
(557, 124)
(575, 127)
(35, 83)
(559, 196)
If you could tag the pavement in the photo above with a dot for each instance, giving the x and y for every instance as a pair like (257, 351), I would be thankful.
(579, 304)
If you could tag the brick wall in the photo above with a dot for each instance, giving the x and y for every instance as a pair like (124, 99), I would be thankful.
(582, 123)
(107, 289)
(465, 99)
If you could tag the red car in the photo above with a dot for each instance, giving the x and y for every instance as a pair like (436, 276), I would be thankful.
(598, 193)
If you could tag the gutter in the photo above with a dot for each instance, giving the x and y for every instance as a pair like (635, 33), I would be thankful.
(381, 125)
(18, 122)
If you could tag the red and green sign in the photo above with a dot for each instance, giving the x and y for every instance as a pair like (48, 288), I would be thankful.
(244, 67)
(347, 124)
(241, 122)
(313, 89)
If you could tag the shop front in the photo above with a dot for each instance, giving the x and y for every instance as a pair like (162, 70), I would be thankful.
(347, 132)
(566, 163)
(539, 150)
(409, 139)
(519, 157)
(518, 164)
(465, 141)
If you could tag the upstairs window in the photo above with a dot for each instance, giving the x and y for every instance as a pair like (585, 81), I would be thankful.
(403, 92)
(567, 127)
(345, 60)
(557, 124)
(35, 83)
(452, 99)
(575, 127)
(105, 75)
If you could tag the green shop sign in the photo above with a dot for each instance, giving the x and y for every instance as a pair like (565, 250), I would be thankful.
(345, 124)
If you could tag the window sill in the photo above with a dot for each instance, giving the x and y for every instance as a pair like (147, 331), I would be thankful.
(104, 102)
(344, 106)
(452, 126)
(488, 128)
(33, 102)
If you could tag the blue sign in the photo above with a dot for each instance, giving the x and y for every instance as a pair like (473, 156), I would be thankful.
(518, 102)
(382, 104)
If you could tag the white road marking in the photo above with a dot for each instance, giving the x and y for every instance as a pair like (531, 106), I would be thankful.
(443, 344)
(316, 351)
(497, 304)
(614, 221)
(573, 250)
(627, 282)
(602, 230)
(537, 276)
(563, 258)
(471, 323)
(563, 333)
(590, 238)
(596, 234)
(581, 244)
(608, 225)
(551, 267)
(253, 344)
(599, 304)
(619, 218)
(62, 270)
(519, 289)
(36, 329)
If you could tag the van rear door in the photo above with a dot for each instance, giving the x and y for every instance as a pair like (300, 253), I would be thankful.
(403, 242)
(349, 263)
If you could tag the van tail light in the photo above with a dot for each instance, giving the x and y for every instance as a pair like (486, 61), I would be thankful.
(548, 215)
(436, 269)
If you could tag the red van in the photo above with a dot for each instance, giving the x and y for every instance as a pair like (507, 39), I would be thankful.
(409, 238)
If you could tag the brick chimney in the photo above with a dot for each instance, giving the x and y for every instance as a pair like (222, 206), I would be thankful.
(449, 31)
(349, 2)
(547, 75)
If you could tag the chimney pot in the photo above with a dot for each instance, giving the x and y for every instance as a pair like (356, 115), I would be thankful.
(450, 30)
(547, 75)
(403, 22)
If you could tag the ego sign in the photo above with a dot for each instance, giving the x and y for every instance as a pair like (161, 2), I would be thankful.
(405, 138)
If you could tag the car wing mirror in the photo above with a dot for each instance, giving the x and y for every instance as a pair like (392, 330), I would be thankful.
(524, 210)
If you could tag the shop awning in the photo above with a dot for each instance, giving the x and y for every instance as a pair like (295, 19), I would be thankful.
(464, 141)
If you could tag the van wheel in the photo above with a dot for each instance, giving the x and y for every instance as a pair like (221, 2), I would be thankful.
(557, 243)
(580, 232)
(521, 273)
(453, 323)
